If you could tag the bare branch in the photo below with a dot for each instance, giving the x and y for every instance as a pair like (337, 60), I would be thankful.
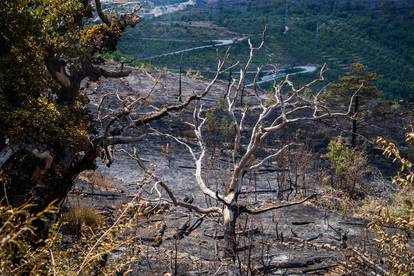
(275, 207)
(101, 14)
(116, 140)
(198, 160)
(187, 205)
(273, 155)
(164, 111)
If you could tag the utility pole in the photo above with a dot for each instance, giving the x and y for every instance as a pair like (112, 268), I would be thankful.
(286, 12)
(285, 27)
(179, 81)
(229, 84)
(317, 32)
(179, 86)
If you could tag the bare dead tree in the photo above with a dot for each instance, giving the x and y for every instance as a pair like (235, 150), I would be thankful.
(292, 106)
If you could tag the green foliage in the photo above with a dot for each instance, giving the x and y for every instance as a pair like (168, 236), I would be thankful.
(211, 121)
(29, 32)
(319, 32)
(226, 127)
(359, 80)
(349, 166)
(340, 156)
(358, 94)
(43, 122)
(48, 47)
(32, 34)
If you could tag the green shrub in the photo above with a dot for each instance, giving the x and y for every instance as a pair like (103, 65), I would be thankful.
(211, 121)
(226, 128)
(349, 167)
(188, 134)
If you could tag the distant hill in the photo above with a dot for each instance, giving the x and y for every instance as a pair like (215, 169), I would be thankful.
(337, 32)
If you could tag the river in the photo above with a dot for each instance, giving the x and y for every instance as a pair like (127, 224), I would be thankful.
(172, 8)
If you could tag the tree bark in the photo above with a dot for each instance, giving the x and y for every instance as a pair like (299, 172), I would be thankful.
(37, 178)
(70, 85)
(230, 239)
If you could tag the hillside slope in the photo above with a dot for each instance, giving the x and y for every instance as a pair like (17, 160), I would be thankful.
(376, 33)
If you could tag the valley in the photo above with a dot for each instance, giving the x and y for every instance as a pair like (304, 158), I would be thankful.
(315, 34)
(207, 137)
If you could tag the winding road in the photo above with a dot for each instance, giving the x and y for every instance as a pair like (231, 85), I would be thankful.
(215, 44)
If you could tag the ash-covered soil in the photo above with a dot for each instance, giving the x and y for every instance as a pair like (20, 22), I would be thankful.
(298, 240)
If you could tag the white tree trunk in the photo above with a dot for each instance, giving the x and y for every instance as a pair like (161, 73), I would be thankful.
(230, 241)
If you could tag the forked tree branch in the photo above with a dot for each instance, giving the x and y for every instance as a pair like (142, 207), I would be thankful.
(198, 160)
(188, 205)
(170, 193)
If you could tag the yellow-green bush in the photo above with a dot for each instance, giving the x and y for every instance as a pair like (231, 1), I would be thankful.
(23, 253)
(394, 224)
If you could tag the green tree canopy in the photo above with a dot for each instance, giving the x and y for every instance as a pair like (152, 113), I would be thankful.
(359, 87)
(47, 47)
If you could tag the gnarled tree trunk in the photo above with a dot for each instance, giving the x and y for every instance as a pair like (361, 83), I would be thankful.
(230, 216)
(41, 178)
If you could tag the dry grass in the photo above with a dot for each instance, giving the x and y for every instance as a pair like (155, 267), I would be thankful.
(80, 216)
(190, 134)
(98, 181)
(86, 254)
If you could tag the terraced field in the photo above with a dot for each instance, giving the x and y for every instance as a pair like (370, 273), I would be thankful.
(310, 39)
